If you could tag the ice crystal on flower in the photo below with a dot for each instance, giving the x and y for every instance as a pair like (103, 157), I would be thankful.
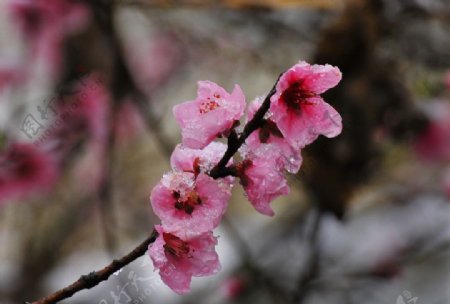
(212, 113)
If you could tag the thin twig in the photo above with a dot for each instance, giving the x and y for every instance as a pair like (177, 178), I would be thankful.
(96, 277)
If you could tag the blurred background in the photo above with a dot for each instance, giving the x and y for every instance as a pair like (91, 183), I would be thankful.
(86, 131)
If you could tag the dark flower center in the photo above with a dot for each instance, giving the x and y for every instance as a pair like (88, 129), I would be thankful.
(295, 96)
(187, 203)
(175, 246)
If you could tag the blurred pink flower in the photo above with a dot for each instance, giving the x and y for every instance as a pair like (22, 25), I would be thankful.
(261, 175)
(434, 143)
(81, 120)
(128, 121)
(25, 169)
(233, 287)
(45, 23)
(179, 259)
(211, 114)
(270, 134)
(189, 204)
(11, 74)
(298, 110)
(155, 61)
(195, 160)
(447, 79)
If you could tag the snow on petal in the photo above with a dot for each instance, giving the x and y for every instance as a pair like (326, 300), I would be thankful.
(270, 134)
(262, 177)
(195, 160)
(179, 258)
(212, 113)
(81, 116)
(190, 204)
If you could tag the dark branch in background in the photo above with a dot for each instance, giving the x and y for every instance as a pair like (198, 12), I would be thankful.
(94, 278)
(123, 84)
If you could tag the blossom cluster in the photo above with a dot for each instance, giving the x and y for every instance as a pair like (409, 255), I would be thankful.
(191, 201)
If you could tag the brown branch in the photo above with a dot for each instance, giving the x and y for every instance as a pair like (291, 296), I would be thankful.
(96, 277)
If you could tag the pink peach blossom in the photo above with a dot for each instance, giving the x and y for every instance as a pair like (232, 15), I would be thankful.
(195, 160)
(211, 114)
(270, 134)
(24, 169)
(179, 258)
(189, 204)
(298, 110)
(262, 177)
